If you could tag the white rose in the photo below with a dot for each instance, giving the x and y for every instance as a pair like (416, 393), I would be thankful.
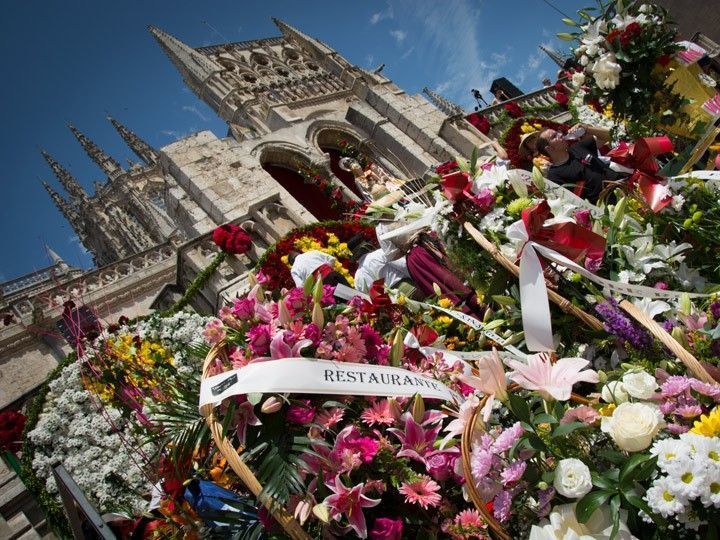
(640, 385)
(645, 8)
(584, 60)
(633, 425)
(592, 49)
(578, 79)
(614, 392)
(572, 478)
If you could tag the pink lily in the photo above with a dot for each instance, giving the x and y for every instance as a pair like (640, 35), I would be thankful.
(489, 378)
(552, 381)
(350, 501)
(243, 417)
(417, 442)
(279, 348)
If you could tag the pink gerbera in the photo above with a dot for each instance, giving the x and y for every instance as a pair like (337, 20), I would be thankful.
(423, 491)
(382, 412)
(329, 417)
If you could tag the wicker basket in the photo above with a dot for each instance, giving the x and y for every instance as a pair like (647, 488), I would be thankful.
(291, 526)
(691, 363)
(474, 423)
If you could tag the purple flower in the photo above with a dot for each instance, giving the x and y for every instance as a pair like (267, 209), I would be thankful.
(545, 497)
(501, 506)
(675, 385)
(618, 324)
(661, 285)
(593, 264)
(513, 472)
(482, 462)
(705, 389)
(485, 200)
(715, 310)
(508, 437)
(677, 429)
(312, 332)
(668, 325)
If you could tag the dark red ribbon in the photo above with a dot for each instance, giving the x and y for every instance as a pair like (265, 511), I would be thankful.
(570, 239)
(641, 157)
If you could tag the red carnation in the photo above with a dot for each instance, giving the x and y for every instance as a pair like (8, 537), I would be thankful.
(12, 424)
(480, 122)
(632, 31)
(446, 167)
(514, 110)
(232, 239)
(613, 35)
(561, 98)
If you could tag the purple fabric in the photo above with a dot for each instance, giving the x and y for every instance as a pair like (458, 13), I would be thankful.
(425, 270)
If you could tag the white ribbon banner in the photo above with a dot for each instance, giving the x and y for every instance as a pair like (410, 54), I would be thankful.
(533, 290)
(315, 376)
(347, 293)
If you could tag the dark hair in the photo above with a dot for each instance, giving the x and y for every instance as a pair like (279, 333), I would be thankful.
(541, 145)
(292, 256)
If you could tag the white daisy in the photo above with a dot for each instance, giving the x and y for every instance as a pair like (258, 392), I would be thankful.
(688, 477)
(669, 451)
(662, 498)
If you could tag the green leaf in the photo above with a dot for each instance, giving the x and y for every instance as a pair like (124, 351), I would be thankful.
(544, 418)
(646, 470)
(535, 442)
(602, 482)
(631, 464)
(637, 502)
(504, 300)
(519, 407)
(473, 162)
(612, 456)
(591, 502)
(565, 429)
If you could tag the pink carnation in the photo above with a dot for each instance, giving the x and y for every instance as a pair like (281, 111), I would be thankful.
(584, 414)
(301, 414)
(244, 308)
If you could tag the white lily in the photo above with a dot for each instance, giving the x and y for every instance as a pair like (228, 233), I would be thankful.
(652, 308)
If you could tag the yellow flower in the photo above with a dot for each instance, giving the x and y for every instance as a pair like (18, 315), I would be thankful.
(444, 320)
(607, 410)
(708, 425)
(285, 259)
(445, 303)
(527, 128)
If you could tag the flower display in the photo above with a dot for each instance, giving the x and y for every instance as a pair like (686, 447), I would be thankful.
(232, 239)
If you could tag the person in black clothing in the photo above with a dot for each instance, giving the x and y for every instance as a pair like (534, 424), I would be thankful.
(579, 161)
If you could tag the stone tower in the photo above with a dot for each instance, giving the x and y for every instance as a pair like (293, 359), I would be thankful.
(126, 213)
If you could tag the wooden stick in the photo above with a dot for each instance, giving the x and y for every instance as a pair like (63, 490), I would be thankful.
(565, 305)
(671, 343)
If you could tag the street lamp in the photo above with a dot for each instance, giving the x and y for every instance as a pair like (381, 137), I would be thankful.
(478, 97)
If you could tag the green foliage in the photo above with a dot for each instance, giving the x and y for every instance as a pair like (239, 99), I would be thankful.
(195, 286)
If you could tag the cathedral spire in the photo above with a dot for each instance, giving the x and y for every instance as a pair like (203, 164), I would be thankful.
(141, 149)
(194, 66)
(109, 166)
(309, 43)
(57, 260)
(66, 209)
(72, 186)
(554, 55)
(442, 103)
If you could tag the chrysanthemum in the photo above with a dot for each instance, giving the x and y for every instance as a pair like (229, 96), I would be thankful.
(711, 494)
(423, 492)
(663, 499)
(688, 477)
(709, 424)
(705, 448)
(669, 451)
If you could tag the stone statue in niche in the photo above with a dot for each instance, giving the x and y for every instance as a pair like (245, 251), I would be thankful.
(374, 182)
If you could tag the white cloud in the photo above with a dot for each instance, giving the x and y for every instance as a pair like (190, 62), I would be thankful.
(197, 112)
(452, 39)
(75, 239)
(382, 15)
(533, 61)
(177, 135)
(499, 59)
(398, 35)
(407, 53)
(369, 59)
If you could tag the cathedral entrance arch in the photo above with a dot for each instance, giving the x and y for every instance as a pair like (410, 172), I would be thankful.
(311, 193)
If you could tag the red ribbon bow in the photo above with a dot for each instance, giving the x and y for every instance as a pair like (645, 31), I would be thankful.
(569, 239)
(641, 157)
(454, 183)
(379, 299)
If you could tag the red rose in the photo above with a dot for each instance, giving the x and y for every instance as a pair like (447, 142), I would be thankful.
(612, 36)
(232, 239)
(560, 87)
(446, 167)
(480, 122)
(386, 529)
(632, 31)
(514, 110)
(561, 98)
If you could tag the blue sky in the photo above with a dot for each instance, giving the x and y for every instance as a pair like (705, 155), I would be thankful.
(79, 61)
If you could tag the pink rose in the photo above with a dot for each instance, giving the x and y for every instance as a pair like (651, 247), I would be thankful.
(582, 217)
(244, 308)
(259, 337)
(438, 466)
(386, 529)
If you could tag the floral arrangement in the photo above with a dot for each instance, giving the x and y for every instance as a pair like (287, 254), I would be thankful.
(95, 417)
(621, 55)
(313, 175)
(352, 466)
(12, 424)
(330, 237)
